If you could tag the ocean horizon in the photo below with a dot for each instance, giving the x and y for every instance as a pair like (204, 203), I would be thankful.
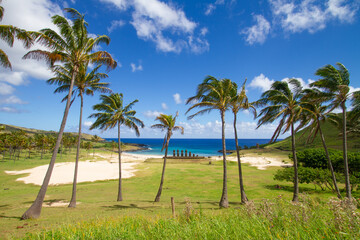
(197, 146)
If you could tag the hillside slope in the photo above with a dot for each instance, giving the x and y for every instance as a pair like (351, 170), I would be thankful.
(32, 131)
(332, 137)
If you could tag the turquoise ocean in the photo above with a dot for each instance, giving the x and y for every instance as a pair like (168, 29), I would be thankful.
(201, 147)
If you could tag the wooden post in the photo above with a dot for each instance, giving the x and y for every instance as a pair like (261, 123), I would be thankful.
(173, 207)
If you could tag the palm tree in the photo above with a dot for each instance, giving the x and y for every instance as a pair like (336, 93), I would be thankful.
(315, 114)
(95, 139)
(284, 103)
(167, 123)
(9, 33)
(335, 82)
(240, 101)
(111, 113)
(86, 83)
(214, 94)
(72, 47)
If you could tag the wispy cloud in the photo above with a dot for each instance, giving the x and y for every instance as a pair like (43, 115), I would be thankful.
(177, 98)
(299, 16)
(115, 24)
(164, 106)
(6, 89)
(151, 114)
(210, 8)
(12, 100)
(258, 32)
(135, 68)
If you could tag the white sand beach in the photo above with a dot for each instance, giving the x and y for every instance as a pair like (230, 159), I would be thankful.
(104, 167)
(260, 162)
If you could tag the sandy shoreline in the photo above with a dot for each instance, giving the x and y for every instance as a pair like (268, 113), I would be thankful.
(105, 167)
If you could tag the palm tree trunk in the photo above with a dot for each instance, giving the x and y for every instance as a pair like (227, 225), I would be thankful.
(329, 161)
(35, 209)
(224, 202)
(73, 196)
(346, 165)
(119, 198)
(296, 177)
(158, 195)
(244, 199)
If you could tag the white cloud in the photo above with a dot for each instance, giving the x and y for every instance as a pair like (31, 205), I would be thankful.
(210, 8)
(353, 89)
(310, 15)
(163, 24)
(6, 89)
(152, 114)
(21, 14)
(12, 100)
(261, 82)
(9, 110)
(258, 32)
(87, 123)
(177, 98)
(14, 78)
(164, 106)
(345, 13)
(121, 4)
(135, 68)
(204, 31)
(115, 24)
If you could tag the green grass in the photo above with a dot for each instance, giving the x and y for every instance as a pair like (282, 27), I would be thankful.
(277, 219)
(199, 181)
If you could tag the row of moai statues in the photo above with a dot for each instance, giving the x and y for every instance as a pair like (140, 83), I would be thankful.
(182, 154)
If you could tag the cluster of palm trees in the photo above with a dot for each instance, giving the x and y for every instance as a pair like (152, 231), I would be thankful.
(291, 107)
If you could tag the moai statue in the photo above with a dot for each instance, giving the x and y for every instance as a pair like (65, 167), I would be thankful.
(194, 155)
(189, 154)
(177, 154)
(185, 153)
(173, 153)
(182, 153)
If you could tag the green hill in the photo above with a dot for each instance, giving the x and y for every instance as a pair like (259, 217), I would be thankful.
(332, 137)
(32, 131)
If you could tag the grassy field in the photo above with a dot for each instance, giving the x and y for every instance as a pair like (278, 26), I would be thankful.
(198, 182)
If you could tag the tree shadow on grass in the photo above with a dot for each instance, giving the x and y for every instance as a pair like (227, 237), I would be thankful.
(131, 206)
(4, 206)
(13, 217)
(49, 202)
(291, 189)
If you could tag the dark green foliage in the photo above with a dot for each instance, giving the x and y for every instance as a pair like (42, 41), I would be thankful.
(317, 176)
(315, 158)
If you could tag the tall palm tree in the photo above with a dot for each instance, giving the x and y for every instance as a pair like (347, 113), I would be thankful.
(72, 47)
(214, 94)
(335, 82)
(284, 103)
(9, 33)
(317, 113)
(86, 83)
(113, 112)
(167, 123)
(239, 101)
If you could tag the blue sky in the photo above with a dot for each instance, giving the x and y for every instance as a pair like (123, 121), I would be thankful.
(164, 49)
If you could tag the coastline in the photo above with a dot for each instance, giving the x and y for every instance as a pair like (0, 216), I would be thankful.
(105, 167)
